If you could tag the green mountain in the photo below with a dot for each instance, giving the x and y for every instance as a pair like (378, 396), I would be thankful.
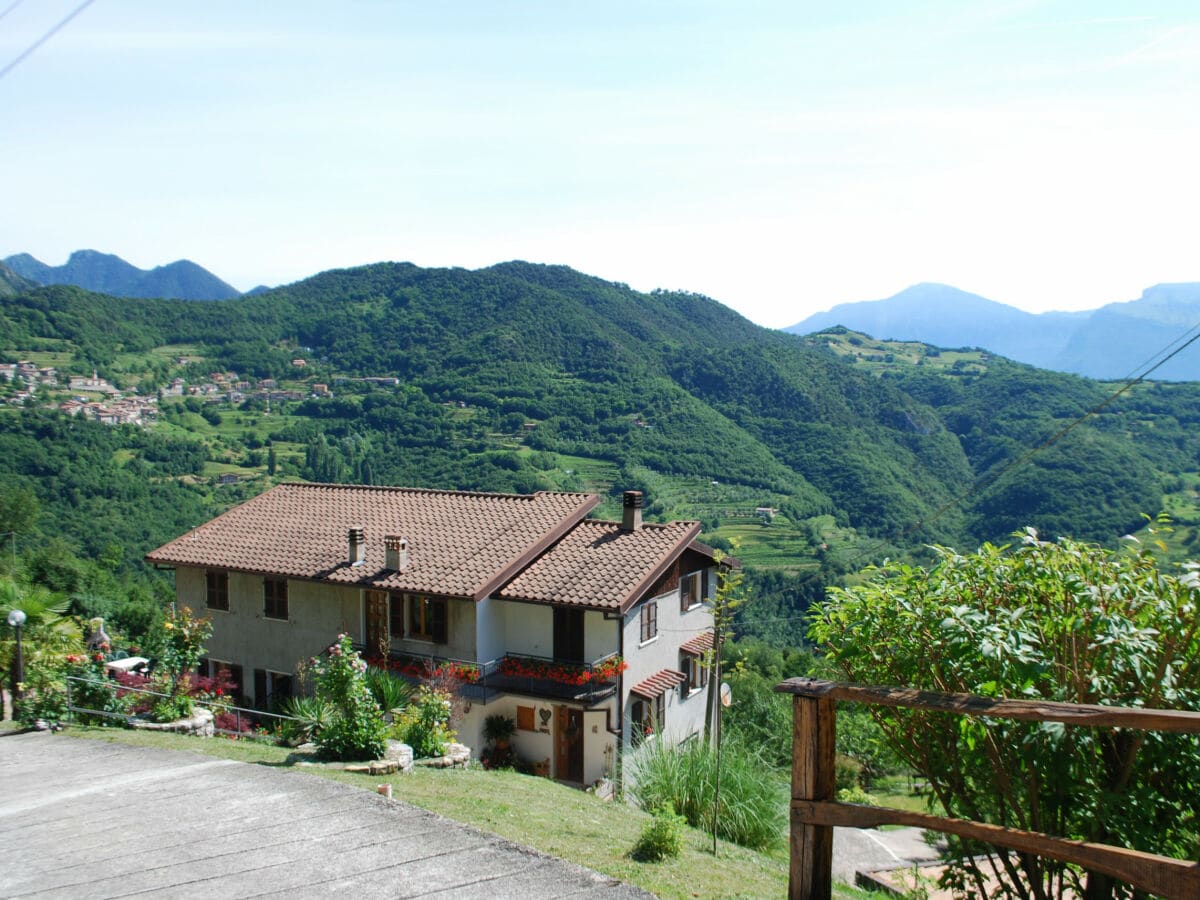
(105, 273)
(520, 377)
(11, 283)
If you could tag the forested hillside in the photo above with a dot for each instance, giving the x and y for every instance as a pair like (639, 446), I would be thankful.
(816, 455)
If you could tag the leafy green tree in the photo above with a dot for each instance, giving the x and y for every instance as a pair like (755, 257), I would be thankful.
(1064, 621)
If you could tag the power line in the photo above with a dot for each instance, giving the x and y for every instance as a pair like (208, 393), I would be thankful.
(45, 37)
(14, 5)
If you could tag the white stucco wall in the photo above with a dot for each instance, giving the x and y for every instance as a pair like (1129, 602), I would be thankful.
(675, 627)
(538, 745)
(317, 613)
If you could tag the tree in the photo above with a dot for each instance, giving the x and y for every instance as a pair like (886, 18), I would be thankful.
(1064, 621)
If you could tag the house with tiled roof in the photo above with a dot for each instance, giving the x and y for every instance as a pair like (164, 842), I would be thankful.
(589, 634)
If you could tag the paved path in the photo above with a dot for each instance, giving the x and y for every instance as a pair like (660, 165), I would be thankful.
(88, 819)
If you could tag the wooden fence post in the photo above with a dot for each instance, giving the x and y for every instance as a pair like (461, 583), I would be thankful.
(813, 732)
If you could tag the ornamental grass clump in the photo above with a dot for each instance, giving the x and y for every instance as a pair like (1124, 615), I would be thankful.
(685, 777)
(356, 729)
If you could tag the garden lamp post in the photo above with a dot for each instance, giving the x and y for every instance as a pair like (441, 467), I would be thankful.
(16, 618)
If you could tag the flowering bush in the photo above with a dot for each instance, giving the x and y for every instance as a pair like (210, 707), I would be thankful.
(563, 673)
(356, 730)
(180, 646)
(425, 723)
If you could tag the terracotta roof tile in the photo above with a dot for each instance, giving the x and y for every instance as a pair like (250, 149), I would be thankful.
(658, 684)
(698, 645)
(599, 566)
(459, 544)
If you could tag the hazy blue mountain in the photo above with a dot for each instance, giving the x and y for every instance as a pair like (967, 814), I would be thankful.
(105, 273)
(1108, 343)
(1121, 339)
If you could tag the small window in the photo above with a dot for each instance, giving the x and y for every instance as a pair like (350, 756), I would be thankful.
(695, 672)
(271, 688)
(396, 615)
(693, 590)
(427, 619)
(649, 620)
(216, 590)
(275, 598)
(645, 718)
(525, 721)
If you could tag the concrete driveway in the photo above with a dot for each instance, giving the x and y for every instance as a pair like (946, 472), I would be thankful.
(84, 819)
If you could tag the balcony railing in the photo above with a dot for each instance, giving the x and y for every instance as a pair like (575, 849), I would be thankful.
(512, 673)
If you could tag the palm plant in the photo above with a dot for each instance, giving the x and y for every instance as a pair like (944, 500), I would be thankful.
(48, 634)
(392, 694)
(307, 716)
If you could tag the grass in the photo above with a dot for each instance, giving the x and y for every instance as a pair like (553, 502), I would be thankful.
(535, 812)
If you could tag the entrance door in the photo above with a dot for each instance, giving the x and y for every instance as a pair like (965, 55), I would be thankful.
(378, 641)
(569, 743)
(568, 635)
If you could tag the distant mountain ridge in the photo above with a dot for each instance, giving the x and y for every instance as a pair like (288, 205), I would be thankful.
(105, 273)
(1111, 342)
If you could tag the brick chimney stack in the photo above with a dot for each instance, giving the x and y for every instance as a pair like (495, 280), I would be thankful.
(395, 553)
(631, 512)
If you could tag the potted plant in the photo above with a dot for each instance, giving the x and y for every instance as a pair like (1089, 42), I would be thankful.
(498, 730)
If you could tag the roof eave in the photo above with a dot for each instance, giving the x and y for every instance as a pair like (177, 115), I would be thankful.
(657, 572)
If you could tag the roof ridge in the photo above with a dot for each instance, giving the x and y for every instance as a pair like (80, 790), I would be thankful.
(401, 489)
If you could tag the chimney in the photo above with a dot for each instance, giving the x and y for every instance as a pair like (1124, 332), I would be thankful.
(631, 513)
(395, 553)
(358, 547)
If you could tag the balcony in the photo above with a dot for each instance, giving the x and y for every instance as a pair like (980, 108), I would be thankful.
(531, 676)
(554, 679)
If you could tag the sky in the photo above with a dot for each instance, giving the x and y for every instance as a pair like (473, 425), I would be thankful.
(780, 157)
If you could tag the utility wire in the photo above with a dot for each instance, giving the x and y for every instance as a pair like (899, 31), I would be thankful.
(14, 5)
(45, 37)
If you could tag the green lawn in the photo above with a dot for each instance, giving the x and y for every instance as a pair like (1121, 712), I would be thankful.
(536, 812)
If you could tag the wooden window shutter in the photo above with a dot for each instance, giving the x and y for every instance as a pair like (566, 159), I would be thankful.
(260, 688)
(438, 615)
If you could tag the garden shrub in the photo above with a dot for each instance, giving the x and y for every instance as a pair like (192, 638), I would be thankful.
(96, 691)
(662, 838)
(425, 723)
(356, 730)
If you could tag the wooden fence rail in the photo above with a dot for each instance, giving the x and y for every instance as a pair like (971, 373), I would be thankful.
(814, 811)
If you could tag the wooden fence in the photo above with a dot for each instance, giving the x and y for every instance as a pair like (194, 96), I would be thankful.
(815, 812)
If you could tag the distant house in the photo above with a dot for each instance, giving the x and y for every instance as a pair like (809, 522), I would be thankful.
(299, 363)
(590, 635)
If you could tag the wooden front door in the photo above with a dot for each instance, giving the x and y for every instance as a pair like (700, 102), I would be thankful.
(378, 641)
(568, 765)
